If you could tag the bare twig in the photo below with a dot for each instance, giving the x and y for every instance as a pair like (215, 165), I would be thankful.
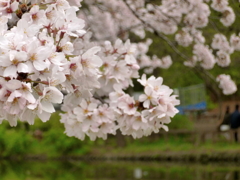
(214, 25)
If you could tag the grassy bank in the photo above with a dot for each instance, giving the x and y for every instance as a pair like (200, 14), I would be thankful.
(48, 140)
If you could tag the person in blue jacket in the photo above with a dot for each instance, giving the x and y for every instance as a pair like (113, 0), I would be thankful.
(235, 121)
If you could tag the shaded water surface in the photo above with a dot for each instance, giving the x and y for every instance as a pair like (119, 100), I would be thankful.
(70, 170)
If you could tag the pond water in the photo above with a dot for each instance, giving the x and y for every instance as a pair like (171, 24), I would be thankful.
(96, 170)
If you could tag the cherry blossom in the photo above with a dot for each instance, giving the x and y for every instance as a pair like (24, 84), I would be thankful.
(184, 38)
(235, 42)
(228, 16)
(219, 5)
(226, 83)
(223, 59)
(150, 97)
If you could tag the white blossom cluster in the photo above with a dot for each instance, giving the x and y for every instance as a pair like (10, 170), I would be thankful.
(90, 117)
(149, 63)
(228, 15)
(226, 83)
(221, 44)
(184, 38)
(151, 112)
(204, 56)
(235, 42)
(94, 118)
(225, 48)
(45, 51)
(34, 52)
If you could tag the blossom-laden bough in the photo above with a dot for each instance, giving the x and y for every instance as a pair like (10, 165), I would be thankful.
(46, 51)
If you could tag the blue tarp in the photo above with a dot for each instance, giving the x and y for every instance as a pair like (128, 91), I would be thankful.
(197, 107)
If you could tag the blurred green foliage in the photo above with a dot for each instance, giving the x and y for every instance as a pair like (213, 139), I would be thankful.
(13, 142)
(180, 121)
(41, 138)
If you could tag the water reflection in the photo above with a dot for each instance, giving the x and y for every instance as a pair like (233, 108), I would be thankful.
(70, 170)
